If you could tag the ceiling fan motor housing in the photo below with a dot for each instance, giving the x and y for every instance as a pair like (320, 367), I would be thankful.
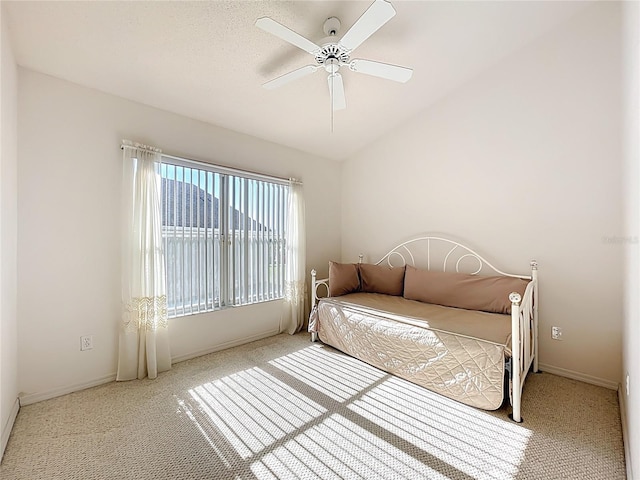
(332, 51)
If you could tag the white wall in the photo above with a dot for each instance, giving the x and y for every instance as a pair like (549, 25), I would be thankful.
(523, 162)
(69, 178)
(8, 236)
(631, 336)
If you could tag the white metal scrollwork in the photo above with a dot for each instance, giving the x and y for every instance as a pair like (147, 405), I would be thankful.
(454, 256)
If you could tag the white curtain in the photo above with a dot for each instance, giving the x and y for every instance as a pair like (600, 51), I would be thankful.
(293, 316)
(144, 335)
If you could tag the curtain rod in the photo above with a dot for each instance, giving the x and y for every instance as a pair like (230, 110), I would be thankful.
(232, 170)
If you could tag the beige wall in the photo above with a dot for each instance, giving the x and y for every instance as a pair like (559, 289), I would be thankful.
(8, 236)
(69, 227)
(631, 174)
(523, 162)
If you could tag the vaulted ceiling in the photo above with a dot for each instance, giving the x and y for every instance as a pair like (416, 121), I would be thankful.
(207, 60)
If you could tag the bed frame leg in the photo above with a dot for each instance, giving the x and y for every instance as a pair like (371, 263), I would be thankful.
(516, 421)
(314, 336)
(516, 397)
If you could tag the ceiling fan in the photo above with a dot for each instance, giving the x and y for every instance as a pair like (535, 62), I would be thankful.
(332, 55)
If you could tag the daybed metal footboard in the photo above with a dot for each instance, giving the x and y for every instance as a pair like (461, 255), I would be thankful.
(524, 309)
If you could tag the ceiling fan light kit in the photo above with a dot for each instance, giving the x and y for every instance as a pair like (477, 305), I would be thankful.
(332, 55)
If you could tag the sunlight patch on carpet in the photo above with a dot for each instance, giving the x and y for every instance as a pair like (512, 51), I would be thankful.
(316, 413)
(252, 409)
(334, 374)
(466, 438)
(338, 448)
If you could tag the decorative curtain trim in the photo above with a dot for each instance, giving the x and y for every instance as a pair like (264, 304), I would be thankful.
(149, 313)
(295, 291)
(144, 334)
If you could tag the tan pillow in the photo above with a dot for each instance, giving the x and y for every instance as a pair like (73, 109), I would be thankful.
(343, 278)
(461, 290)
(381, 279)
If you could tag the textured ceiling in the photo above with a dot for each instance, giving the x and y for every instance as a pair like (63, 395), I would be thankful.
(207, 60)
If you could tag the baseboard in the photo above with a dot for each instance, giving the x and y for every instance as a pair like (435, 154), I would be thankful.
(563, 372)
(7, 427)
(57, 392)
(625, 433)
(223, 346)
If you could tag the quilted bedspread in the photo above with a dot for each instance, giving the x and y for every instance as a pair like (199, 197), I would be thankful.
(457, 365)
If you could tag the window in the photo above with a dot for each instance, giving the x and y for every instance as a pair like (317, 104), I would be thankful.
(224, 237)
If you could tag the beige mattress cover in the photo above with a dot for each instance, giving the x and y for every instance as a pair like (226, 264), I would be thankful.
(491, 327)
(457, 353)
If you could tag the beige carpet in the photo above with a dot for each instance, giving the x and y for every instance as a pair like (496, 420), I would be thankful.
(286, 408)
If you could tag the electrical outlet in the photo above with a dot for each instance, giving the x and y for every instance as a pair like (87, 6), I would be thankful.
(627, 384)
(86, 342)
(556, 333)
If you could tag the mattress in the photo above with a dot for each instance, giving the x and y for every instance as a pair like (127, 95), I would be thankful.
(457, 353)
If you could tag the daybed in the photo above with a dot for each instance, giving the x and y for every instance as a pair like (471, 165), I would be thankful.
(445, 325)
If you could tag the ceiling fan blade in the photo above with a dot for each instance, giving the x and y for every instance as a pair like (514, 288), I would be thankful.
(382, 70)
(336, 92)
(289, 77)
(271, 26)
(379, 13)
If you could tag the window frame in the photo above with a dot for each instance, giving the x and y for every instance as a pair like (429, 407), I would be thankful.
(228, 229)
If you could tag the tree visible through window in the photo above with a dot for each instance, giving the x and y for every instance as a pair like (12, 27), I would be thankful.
(224, 238)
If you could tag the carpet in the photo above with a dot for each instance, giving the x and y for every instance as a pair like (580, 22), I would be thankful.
(285, 408)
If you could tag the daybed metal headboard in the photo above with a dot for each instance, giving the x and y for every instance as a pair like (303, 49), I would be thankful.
(454, 256)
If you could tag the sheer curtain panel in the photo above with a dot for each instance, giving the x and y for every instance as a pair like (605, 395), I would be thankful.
(293, 316)
(144, 335)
